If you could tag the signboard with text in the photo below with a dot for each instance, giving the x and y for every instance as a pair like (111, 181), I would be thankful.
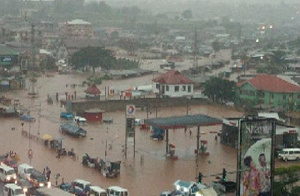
(256, 156)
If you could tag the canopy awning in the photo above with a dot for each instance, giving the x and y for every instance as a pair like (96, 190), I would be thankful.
(183, 121)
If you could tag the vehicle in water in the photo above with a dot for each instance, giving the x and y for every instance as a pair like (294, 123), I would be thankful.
(109, 169)
(26, 186)
(80, 120)
(81, 187)
(38, 179)
(97, 191)
(12, 190)
(66, 115)
(24, 171)
(117, 191)
(7, 174)
(72, 129)
(158, 133)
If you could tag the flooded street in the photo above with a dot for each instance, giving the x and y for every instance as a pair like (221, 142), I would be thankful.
(149, 173)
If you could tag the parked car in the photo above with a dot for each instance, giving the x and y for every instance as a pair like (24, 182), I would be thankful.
(66, 115)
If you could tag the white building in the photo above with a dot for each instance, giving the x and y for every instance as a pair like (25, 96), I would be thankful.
(173, 84)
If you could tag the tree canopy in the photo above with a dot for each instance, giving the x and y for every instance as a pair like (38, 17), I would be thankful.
(93, 57)
(219, 90)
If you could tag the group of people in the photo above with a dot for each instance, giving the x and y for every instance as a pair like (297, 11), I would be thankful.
(256, 181)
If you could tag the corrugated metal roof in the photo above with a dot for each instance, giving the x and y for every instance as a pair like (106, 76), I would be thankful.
(183, 121)
(273, 84)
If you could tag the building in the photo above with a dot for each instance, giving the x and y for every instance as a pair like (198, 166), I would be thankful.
(173, 84)
(269, 91)
(69, 46)
(78, 28)
(8, 57)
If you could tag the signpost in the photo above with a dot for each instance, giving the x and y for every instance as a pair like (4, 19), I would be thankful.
(130, 127)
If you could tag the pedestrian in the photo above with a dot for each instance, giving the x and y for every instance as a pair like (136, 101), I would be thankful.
(190, 132)
(48, 175)
(216, 137)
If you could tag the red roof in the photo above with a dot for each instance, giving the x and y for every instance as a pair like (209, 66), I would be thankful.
(92, 89)
(173, 77)
(273, 84)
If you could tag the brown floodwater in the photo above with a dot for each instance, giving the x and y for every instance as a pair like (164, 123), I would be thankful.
(149, 177)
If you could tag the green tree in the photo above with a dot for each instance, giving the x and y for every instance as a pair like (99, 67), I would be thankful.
(285, 181)
(93, 57)
(219, 90)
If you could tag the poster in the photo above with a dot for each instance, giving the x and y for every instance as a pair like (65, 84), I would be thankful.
(256, 156)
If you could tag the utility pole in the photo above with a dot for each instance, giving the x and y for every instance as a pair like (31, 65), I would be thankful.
(196, 49)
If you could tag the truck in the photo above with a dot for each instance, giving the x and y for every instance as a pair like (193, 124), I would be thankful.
(72, 129)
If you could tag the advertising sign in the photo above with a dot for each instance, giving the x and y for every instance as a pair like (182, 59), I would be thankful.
(256, 156)
(130, 110)
(6, 59)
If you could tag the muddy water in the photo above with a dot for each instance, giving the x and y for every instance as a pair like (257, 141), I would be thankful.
(148, 177)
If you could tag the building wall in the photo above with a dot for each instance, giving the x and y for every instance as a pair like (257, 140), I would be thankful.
(178, 90)
(140, 103)
(285, 100)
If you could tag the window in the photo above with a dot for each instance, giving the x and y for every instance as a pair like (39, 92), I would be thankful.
(284, 97)
(167, 88)
(157, 86)
(189, 88)
(183, 88)
(176, 88)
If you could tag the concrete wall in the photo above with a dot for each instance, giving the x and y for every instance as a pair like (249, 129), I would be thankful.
(79, 106)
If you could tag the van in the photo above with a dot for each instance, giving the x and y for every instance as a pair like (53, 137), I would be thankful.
(7, 174)
(24, 171)
(288, 154)
(97, 191)
(117, 191)
(81, 186)
(13, 190)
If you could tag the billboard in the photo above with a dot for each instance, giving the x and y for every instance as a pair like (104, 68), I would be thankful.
(256, 156)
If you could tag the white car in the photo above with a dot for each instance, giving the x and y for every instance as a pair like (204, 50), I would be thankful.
(80, 120)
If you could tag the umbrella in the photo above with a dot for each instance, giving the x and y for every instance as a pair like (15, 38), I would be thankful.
(47, 137)
(261, 146)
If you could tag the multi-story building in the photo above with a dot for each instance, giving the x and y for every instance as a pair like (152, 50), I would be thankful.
(78, 28)
(271, 91)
